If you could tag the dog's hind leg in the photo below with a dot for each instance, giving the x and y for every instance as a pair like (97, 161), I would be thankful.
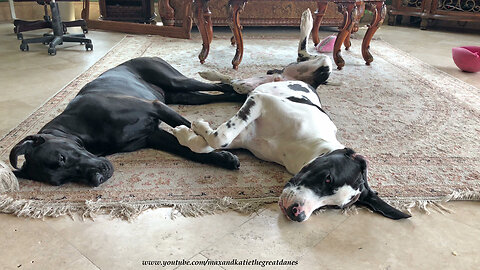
(241, 86)
(163, 140)
(306, 26)
(160, 73)
(198, 98)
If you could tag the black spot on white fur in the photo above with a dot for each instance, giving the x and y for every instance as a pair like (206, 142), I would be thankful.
(298, 87)
(305, 100)
(244, 112)
(302, 58)
(303, 46)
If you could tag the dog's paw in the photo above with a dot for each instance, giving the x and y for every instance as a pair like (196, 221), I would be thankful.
(229, 160)
(242, 86)
(306, 24)
(190, 139)
(214, 76)
(183, 134)
(201, 127)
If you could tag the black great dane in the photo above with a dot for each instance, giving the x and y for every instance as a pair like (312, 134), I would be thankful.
(120, 111)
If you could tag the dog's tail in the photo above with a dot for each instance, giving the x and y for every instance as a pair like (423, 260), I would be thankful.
(215, 76)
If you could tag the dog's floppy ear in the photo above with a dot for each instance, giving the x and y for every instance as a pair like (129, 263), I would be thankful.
(23, 147)
(370, 199)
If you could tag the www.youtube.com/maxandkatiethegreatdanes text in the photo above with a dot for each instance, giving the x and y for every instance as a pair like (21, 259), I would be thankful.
(208, 262)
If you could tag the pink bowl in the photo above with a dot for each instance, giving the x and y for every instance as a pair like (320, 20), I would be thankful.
(467, 58)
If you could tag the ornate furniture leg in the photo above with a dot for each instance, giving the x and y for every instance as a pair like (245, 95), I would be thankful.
(379, 11)
(349, 11)
(204, 24)
(355, 27)
(235, 7)
(166, 12)
(319, 13)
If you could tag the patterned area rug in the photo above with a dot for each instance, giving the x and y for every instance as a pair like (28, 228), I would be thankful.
(418, 126)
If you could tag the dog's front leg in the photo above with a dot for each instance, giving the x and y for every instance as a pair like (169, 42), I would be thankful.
(241, 86)
(203, 139)
(228, 131)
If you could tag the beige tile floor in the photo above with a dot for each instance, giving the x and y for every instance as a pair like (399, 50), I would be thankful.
(329, 240)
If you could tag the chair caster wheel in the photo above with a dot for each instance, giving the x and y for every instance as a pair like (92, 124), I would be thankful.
(24, 47)
(19, 36)
(52, 51)
(89, 46)
(85, 31)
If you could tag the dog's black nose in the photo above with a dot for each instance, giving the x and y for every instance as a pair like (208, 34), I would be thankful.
(97, 179)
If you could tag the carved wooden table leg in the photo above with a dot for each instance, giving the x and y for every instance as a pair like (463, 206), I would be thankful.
(166, 12)
(349, 11)
(235, 7)
(204, 24)
(355, 27)
(319, 13)
(379, 11)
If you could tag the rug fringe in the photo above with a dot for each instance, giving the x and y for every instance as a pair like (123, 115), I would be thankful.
(127, 210)
(8, 181)
(130, 210)
(424, 206)
(463, 195)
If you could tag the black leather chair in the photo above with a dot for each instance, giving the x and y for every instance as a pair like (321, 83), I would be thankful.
(58, 36)
(23, 26)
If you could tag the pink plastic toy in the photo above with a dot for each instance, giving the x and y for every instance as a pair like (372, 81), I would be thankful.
(326, 44)
(467, 58)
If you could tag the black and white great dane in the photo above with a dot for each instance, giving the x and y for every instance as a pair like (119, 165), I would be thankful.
(282, 121)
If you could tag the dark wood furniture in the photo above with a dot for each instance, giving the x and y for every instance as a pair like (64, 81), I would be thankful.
(256, 13)
(428, 10)
(23, 26)
(182, 31)
(141, 11)
(352, 11)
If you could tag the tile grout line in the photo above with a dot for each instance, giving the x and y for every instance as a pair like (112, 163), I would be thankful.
(323, 238)
(459, 221)
(75, 247)
(231, 232)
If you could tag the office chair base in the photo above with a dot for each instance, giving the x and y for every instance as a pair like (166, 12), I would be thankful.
(53, 41)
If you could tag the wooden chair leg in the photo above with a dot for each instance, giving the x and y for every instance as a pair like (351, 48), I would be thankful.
(235, 7)
(349, 11)
(319, 13)
(167, 14)
(204, 24)
(379, 11)
(355, 27)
